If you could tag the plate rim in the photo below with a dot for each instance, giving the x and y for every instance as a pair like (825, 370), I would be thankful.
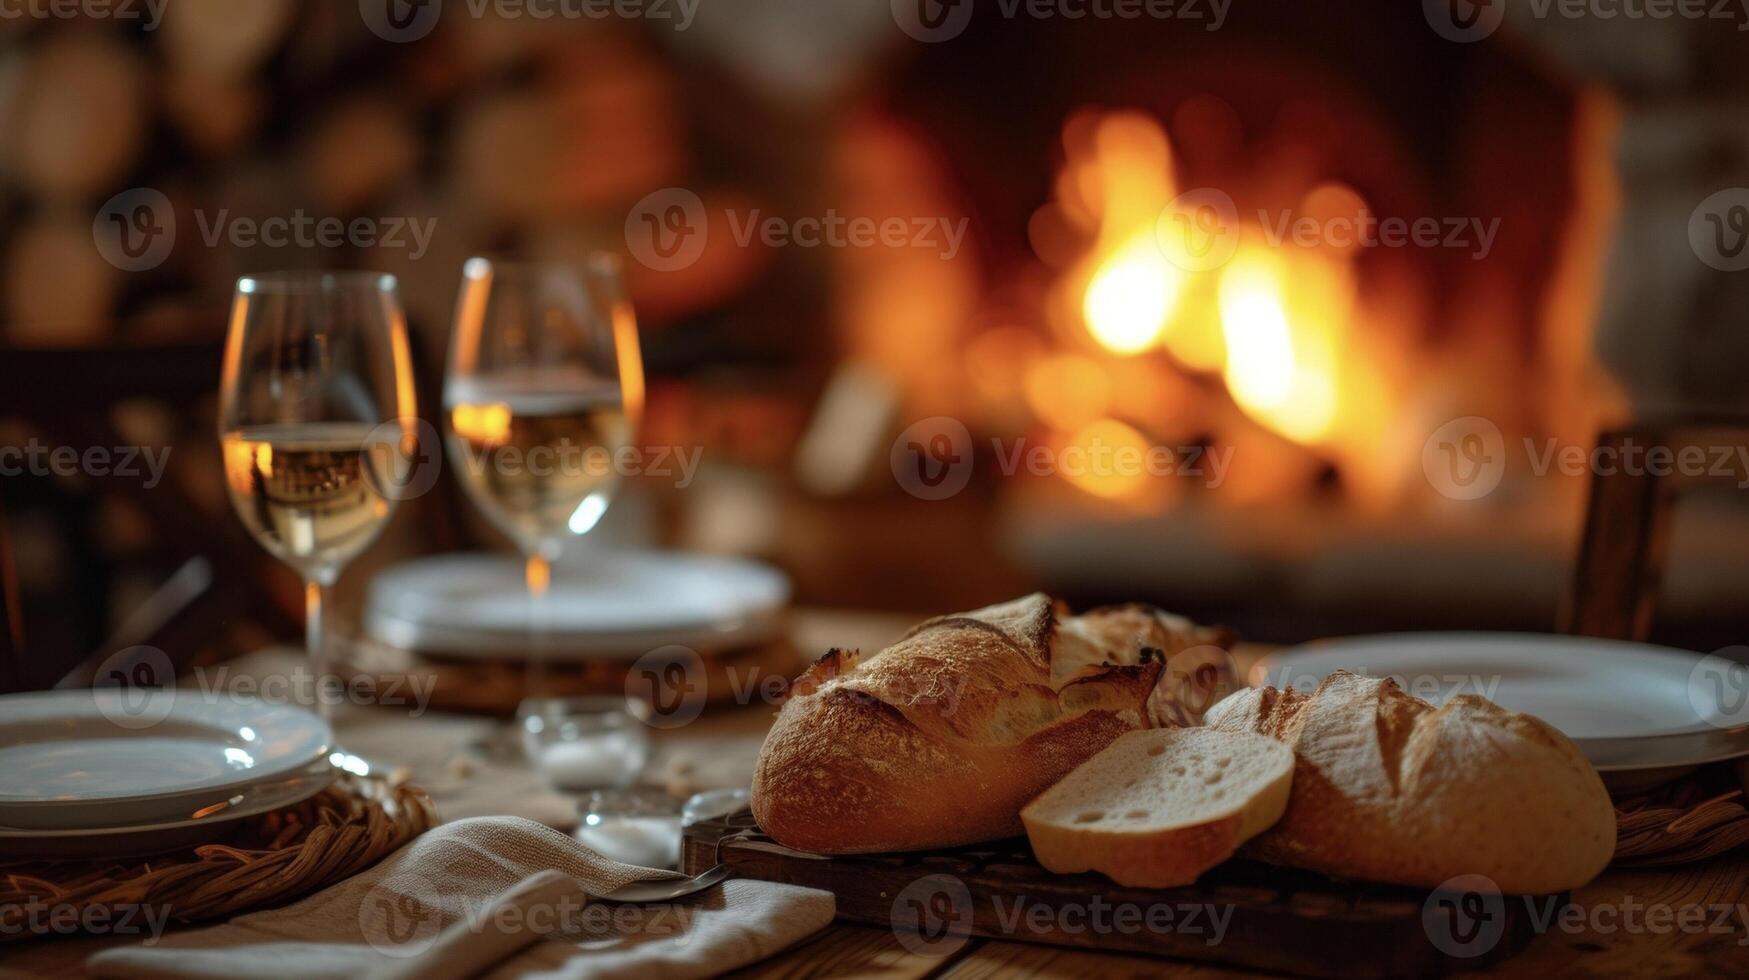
(319, 779)
(380, 593)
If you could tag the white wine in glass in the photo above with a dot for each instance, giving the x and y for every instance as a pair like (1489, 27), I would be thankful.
(309, 492)
(543, 396)
(317, 423)
(537, 450)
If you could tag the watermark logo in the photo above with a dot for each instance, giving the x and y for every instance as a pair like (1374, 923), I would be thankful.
(673, 682)
(932, 459)
(1465, 916)
(668, 229)
(135, 230)
(400, 21)
(1199, 230)
(1195, 680)
(1718, 687)
(1464, 20)
(403, 458)
(135, 688)
(1718, 230)
(932, 916)
(1465, 459)
(933, 21)
(403, 917)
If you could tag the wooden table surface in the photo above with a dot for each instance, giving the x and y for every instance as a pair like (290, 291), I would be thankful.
(1626, 921)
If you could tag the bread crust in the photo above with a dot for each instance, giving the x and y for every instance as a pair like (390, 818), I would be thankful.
(942, 738)
(1389, 788)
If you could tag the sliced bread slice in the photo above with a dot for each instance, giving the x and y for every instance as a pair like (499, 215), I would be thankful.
(1159, 807)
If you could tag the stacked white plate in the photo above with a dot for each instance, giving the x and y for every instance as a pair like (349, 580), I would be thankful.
(116, 771)
(602, 605)
(1641, 713)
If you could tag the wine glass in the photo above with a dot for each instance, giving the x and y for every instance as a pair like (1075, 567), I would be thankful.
(544, 392)
(317, 423)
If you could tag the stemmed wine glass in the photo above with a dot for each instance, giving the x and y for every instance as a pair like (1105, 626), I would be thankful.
(544, 391)
(317, 423)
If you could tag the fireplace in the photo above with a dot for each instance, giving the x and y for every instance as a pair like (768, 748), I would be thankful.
(1335, 255)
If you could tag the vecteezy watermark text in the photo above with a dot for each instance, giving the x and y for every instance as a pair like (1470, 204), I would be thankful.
(1465, 917)
(1467, 458)
(405, 917)
(404, 21)
(669, 229)
(150, 13)
(310, 231)
(933, 459)
(126, 462)
(1473, 20)
(1434, 687)
(935, 914)
(136, 230)
(933, 21)
(571, 460)
(1200, 230)
(136, 688)
(36, 917)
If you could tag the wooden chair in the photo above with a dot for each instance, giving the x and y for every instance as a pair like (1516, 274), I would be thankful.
(1627, 526)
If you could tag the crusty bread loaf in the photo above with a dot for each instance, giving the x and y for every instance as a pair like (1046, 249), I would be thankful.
(1389, 788)
(941, 738)
(1157, 808)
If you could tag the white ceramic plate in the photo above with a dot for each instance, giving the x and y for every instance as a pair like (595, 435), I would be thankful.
(1628, 706)
(602, 605)
(201, 827)
(109, 757)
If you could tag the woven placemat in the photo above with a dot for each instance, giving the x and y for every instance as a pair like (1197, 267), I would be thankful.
(1689, 820)
(265, 861)
(495, 687)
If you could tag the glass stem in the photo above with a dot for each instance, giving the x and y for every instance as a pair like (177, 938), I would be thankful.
(539, 574)
(315, 597)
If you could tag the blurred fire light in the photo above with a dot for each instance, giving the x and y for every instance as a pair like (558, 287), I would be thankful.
(1267, 322)
(1273, 369)
(1130, 296)
(1110, 460)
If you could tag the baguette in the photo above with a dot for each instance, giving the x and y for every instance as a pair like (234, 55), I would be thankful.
(1158, 808)
(941, 738)
(1389, 788)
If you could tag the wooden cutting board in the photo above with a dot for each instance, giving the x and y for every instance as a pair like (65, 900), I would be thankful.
(1241, 914)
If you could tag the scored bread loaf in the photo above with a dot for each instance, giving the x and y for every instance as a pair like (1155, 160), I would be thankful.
(942, 737)
(1389, 788)
(1157, 808)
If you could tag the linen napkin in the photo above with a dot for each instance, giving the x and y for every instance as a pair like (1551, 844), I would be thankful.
(463, 896)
